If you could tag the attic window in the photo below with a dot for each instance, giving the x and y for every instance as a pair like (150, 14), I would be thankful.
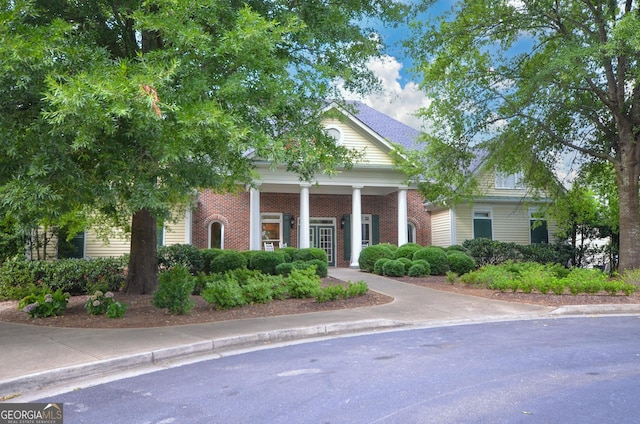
(512, 181)
(334, 133)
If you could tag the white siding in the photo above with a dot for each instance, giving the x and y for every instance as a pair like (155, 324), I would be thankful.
(175, 232)
(464, 223)
(118, 245)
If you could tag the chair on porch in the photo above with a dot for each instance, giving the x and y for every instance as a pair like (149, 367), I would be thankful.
(268, 247)
(282, 245)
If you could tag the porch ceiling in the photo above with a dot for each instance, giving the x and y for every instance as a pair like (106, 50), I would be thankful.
(326, 189)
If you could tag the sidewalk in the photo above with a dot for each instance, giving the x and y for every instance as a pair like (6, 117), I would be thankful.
(35, 357)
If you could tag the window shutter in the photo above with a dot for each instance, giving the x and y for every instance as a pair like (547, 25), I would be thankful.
(375, 229)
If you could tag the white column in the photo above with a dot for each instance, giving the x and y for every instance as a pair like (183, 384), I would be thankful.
(356, 225)
(255, 222)
(402, 216)
(188, 226)
(303, 237)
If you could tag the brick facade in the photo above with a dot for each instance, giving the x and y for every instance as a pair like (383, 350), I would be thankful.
(232, 211)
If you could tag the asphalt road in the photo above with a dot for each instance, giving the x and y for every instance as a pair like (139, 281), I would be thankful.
(569, 370)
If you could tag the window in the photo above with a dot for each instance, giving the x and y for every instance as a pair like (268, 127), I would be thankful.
(509, 181)
(367, 230)
(216, 235)
(538, 227)
(334, 133)
(411, 233)
(271, 228)
(482, 224)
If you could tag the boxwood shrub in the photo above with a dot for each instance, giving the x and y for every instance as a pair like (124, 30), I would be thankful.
(266, 262)
(436, 257)
(309, 254)
(407, 250)
(181, 254)
(370, 254)
(393, 268)
(460, 262)
(228, 260)
(418, 270)
(379, 265)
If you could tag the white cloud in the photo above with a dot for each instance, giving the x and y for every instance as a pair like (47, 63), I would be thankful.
(399, 102)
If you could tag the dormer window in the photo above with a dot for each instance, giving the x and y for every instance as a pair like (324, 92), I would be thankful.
(509, 181)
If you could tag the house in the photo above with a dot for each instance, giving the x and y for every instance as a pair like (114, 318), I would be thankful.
(368, 204)
(504, 212)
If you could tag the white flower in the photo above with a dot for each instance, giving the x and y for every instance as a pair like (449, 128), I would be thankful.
(96, 303)
(108, 295)
(98, 293)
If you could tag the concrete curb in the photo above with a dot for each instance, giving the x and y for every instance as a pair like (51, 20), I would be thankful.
(60, 376)
(597, 309)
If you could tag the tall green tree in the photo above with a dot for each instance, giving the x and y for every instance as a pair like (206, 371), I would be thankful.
(531, 80)
(130, 105)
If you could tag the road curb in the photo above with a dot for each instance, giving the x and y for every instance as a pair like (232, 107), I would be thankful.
(44, 379)
(597, 309)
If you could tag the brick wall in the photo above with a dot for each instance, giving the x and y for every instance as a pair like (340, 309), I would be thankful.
(232, 210)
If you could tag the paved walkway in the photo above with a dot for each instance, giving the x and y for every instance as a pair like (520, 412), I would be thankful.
(34, 357)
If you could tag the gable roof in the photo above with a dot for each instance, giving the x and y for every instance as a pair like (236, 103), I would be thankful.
(385, 126)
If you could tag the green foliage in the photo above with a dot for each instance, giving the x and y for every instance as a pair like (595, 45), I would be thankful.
(104, 303)
(393, 268)
(263, 288)
(336, 292)
(451, 277)
(418, 270)
(378, 267)
(224, 292)
(322, 268)
(174, 290)
(228, 260)
(436, 257)
(208, 255)
(76, 276)
(44, 303)
(303, 283)
(491, 252)
(406, 250)
(460, 262)
(370, 254)
(266, 262)
(186, 255)
(406, 262)
(309, 254)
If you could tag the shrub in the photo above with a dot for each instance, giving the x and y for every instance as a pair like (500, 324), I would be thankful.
(303, 283)
(174, 290)
(490, 252)
(359, 288)
(417, 270)
(330, 293)
(460, 262)
(632, 277)
(369, 255)
(266, 262)
(186, 255)
(436, 257)
(285, 268)
(44, 304)
(378, 267)
(393, 268)
(288, 253)
(260, 290)
(580, 280)
(322, 268)
(406, 262)
(228, 260)
(208, 255)
(104, 303)
(224, 292)
(456, 248)
(452, 277)
(406, 250)
(309, 254)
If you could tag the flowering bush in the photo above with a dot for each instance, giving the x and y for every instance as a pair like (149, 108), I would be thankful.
(104, 303)
(44, 304)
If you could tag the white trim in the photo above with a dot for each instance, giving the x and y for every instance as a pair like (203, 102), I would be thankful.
(340, 138)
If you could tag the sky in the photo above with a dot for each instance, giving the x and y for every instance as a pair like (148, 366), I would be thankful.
(401, 96)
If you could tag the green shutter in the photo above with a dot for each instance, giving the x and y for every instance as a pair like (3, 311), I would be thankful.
(286, 229)
(375, 229)
(482, 229)
(346, 231)
(539, 234)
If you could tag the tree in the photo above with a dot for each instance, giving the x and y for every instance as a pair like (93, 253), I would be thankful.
(529, 81)
(129, 106)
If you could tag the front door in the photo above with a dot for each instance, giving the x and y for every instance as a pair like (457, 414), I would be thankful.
(322, 234)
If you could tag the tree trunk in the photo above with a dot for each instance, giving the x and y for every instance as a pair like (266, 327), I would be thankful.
(627, 182)
(143, 258)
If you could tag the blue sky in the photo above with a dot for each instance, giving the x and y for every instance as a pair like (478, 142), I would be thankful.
(401, 96)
